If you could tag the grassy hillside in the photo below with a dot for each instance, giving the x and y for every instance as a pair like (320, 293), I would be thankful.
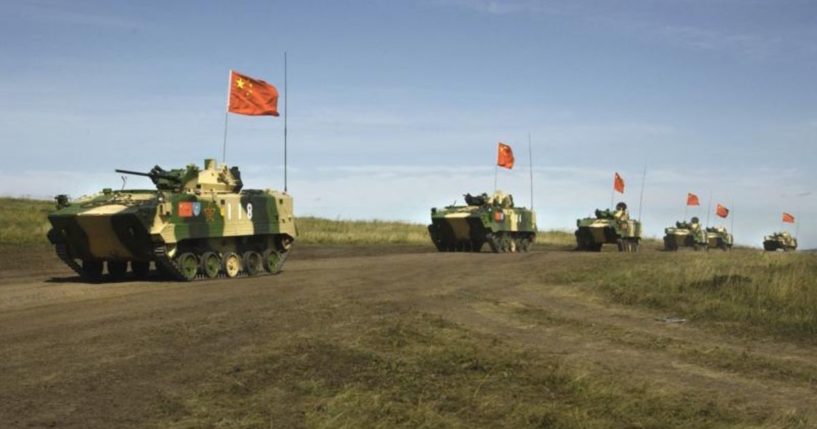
(745, 292)
(23, 221)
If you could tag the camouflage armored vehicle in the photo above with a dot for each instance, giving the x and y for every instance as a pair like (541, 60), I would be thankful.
(719, 238)
(484, 219)
(196, 223)
(685, 234)
(780, 240)
(608, 226)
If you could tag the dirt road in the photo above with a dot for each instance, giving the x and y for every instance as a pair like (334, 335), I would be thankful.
(132, 354)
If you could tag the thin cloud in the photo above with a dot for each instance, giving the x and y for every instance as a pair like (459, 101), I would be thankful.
(57, 12)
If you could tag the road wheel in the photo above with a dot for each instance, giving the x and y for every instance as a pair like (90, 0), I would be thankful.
(494, 243)
(231, 265)
(504, 245)
(188, 265)
(271, 261)
(117, 269)
(140, 269)
(210, 264)
(252, 263)
(92, 270)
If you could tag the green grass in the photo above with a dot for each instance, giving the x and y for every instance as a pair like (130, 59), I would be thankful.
(373, 369)
(744, 292)
(23, 221)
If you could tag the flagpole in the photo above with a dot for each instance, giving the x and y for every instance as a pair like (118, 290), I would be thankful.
(496, 173)
(530, 155)
(732, 212)
(226, 115)
(708, 208)
(285, 121)
(796, 229)
(613, 191)
(686, 209)
(641, 197)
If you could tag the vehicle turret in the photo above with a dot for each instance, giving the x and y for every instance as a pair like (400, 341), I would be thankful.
(211, 179)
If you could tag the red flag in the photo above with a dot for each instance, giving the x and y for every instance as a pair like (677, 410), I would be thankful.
(618, 184)
(252, 97)
(692, 199)
(504, 156)
(722, 211)
(788, 217)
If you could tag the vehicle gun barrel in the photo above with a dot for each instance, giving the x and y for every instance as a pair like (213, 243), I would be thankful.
(135, 173)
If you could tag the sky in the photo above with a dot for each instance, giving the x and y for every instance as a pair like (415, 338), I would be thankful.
(397, 107)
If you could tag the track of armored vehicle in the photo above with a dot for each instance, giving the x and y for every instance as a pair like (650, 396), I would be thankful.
(197, 223)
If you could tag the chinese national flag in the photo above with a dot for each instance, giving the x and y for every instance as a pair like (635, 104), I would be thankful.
(788, 217)
(504, 157)
(692, 199)
(252, 97)
(722, 211)
(618, 184)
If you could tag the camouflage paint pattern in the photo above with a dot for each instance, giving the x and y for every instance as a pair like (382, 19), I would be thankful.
(719, 238)
(484, 219)
(593, 232)
(780, 241)
(685, 234)
(198, 210)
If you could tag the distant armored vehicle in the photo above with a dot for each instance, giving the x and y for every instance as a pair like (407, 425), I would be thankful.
(719, 238)
(484, 219)
(685, 234)
(196, 223)
(613, 227)
(780, 240)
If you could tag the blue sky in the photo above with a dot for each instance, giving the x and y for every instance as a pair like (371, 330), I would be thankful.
(395, 107)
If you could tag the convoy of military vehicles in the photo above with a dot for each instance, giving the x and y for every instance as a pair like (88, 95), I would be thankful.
(202, 223)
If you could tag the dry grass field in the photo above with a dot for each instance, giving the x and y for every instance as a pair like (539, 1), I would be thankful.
(368, 326)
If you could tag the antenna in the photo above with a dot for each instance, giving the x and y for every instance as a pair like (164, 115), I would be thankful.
(708, 208)
(641, 198)
(226, 115)
(124, 182)
(285, 121)
(530, 156)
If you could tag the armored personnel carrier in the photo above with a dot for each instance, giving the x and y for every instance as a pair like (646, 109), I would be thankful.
(484, 219)
(780, 240)
(685, 234)
(719, 238)
(196, 223)
(608, 226)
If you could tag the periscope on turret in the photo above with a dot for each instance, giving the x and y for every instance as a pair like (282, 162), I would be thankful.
(197, 222)
(483, 219)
